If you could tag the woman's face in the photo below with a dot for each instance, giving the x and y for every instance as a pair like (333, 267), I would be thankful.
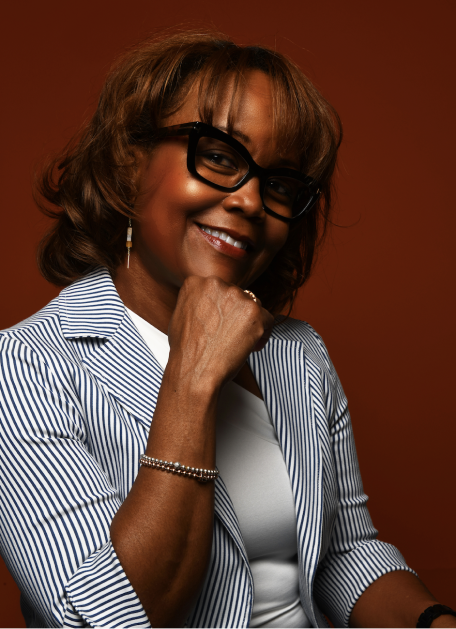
(175, 208)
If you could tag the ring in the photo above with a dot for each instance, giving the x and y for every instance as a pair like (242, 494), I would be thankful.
(251, 295)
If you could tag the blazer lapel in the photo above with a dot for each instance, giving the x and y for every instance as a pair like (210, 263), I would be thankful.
(224, 510)
(121, 361)
(128, 369)
(287, 380)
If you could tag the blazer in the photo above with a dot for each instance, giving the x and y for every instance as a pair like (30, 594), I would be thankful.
(78, 392)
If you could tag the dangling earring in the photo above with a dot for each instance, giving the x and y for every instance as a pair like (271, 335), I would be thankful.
(129, 243)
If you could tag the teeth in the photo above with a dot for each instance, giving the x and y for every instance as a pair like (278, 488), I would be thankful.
(240, 245)
(224, 236)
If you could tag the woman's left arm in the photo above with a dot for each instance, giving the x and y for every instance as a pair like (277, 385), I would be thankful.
(396, 599)
(361, 581)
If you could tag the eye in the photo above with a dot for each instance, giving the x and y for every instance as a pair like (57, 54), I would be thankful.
(219, 159)
(281, 188)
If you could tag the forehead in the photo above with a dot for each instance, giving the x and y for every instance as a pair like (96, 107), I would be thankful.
(245, 110)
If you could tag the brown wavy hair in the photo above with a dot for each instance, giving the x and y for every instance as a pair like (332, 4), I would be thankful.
(90, 188)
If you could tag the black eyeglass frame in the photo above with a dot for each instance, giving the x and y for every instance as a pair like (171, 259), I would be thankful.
(195, 130)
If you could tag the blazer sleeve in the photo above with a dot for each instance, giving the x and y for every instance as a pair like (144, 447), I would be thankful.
(355, 558)
(57, 504)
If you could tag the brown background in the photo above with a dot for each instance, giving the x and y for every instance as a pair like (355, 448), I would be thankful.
(383, 294)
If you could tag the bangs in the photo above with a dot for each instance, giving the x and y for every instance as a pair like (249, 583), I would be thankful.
(303, 122)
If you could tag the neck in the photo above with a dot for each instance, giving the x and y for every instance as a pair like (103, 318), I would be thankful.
(152, 300)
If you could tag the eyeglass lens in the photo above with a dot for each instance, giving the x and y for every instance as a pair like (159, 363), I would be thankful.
(221, 164)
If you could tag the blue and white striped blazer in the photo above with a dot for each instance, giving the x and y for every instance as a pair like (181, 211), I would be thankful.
(78, 391)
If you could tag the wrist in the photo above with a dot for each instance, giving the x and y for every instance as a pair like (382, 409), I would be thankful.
(198, 382)
(444, 621)
(183, 425)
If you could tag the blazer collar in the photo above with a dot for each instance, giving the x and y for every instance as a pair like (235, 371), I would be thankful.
(91, 306)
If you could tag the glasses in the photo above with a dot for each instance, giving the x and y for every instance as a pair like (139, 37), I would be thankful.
(223, 163)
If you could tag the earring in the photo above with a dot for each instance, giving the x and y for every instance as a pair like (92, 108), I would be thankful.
(129, 243)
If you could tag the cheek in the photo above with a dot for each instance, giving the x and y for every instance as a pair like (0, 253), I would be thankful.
(276, 235)
(275, 238)
(170, 199)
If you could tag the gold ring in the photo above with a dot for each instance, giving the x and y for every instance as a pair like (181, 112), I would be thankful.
(251, 295)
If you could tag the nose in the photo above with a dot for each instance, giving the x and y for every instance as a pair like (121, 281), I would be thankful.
(246, 200)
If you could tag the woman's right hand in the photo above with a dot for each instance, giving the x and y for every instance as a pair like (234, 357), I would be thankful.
(214, 328)
(162, 532)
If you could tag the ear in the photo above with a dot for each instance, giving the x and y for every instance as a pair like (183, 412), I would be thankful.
(140, 155)
(142, 158)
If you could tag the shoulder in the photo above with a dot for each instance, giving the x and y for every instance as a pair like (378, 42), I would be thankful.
(38, 344)
(311, 343)
(88, 310)
(42, 325)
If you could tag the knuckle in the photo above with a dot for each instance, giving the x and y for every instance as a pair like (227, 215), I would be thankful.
(190, 281)
(252, 309)
(232, 292)
(213, 281)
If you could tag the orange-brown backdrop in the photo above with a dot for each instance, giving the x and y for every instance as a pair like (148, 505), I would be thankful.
(383, 294)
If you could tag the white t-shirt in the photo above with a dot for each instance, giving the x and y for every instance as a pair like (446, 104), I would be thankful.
(251, 464)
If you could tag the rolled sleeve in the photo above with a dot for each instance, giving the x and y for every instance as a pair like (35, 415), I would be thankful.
(57, 503)
(100, 593)
(343, 579)
(355, 558)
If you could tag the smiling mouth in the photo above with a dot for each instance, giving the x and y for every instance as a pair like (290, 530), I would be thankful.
(216, 233)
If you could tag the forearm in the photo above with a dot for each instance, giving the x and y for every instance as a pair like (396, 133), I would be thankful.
(396, 599)
(162, 534)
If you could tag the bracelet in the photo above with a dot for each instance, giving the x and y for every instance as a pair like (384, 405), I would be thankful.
(433, 612)
(201, 475)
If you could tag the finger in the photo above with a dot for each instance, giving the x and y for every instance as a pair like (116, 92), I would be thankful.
(252, 296)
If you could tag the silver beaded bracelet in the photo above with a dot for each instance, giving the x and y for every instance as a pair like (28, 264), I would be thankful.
(200, 474)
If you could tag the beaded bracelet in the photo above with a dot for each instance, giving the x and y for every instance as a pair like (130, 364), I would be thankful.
(201, 475)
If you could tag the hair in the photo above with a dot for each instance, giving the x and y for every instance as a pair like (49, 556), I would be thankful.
(90, 188)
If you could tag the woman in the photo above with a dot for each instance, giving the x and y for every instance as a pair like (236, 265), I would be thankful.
(188, 212)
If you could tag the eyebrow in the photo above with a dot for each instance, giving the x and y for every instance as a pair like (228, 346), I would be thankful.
(285, 163)
(239, 134)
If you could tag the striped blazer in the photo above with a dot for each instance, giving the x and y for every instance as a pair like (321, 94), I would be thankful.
(78, 391)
